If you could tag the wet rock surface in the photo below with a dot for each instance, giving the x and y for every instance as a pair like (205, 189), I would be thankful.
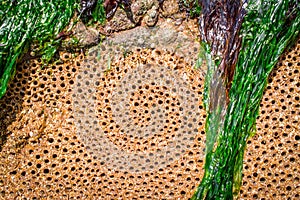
(181, 39)
(81, 36)
(145, 13)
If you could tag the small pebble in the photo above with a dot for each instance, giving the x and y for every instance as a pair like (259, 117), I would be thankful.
(140, 41)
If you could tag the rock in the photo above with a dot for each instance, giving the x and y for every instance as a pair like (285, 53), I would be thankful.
(119, 22)
(170, 7)
(87, 36)
(82, 37)
(124, 21)
(151, 17)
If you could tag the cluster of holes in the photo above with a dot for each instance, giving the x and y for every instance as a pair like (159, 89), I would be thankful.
(146, 102)
(49, 160)
(40, 98)
(271, 163)
(162, 122)
(149, 85)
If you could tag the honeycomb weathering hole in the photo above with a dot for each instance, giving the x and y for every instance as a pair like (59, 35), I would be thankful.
(139, 114)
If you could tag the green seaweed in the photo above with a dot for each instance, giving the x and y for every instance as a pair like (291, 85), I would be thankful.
(269, 27)
(98, 13)
(92, 11)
